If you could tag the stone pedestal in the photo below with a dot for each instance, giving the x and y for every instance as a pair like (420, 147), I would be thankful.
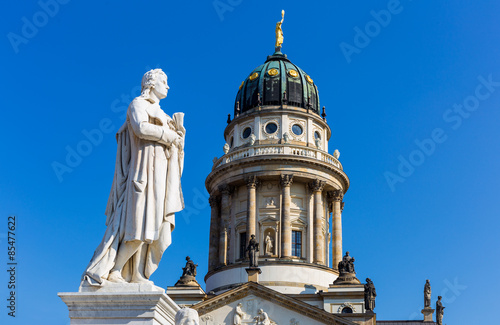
(131, 304)
(428, 312)
(253, 274)
(346, 278)
(186, 296)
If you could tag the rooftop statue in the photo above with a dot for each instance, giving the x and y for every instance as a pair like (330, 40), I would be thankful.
(347, 274)
(439, 311)
(427, 294)
(347, 264)
(279, 32)
(188, 277)
(370, 295)
(190, 268)
(146, 190)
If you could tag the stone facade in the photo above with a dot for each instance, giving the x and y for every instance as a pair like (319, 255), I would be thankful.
(276, 189)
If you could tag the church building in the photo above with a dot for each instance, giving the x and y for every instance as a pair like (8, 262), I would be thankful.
(274, 196)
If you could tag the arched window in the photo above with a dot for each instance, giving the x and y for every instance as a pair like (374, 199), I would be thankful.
(347, 310)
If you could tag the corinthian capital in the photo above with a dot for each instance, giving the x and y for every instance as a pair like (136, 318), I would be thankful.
(252, 181)
(317, 185)
(338, 195)
(286, 179)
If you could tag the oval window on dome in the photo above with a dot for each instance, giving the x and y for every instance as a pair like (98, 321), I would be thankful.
(254, 76)
(272, 72)
(317, 135)
(297, 129)
(271, 128)
(246, 132)
(309, 80)
(293, 73)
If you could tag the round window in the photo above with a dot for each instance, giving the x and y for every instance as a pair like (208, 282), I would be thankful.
(271, 128)
(297, 129)
(246, 133)
(317, 135)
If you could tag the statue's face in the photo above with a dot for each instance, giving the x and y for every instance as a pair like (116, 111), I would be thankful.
(161, 87)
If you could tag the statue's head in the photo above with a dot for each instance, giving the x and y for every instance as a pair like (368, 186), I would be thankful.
(154, 81)
(368, 280)
(439, 297)
(260, 311)
(187, 316)
(188, 258)
(347, 253)
(427, 281)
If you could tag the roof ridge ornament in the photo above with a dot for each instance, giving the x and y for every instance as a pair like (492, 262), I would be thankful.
(279, 32)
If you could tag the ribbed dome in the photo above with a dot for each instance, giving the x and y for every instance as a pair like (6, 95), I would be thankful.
(277, 82)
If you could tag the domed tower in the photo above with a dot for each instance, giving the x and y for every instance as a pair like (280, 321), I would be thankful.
(278, 182)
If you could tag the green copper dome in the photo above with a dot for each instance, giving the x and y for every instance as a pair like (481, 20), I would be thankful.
(277, 82)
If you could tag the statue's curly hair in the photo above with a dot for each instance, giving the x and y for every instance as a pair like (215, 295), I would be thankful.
(148, 81)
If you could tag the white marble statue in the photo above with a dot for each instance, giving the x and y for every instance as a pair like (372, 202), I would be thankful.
(262, 318)
(187, 316)
(336, 154)
(269, 245)
(285, 137)
(226, 148)
(318, 143)
(238, 315)
(146, 190)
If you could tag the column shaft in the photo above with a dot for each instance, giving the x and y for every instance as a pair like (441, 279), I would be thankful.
(286, 225)
(251, 207)
(225, 206)
(319, 236)
(337, 228)
(213, 248)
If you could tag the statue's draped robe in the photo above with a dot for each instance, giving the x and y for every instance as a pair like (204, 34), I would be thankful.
(146, 192)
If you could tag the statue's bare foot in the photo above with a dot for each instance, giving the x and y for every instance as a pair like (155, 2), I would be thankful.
(116, 276)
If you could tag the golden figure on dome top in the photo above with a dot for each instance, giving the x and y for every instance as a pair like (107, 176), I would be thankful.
(279, 32)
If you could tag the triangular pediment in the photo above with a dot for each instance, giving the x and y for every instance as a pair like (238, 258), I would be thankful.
(280, 308)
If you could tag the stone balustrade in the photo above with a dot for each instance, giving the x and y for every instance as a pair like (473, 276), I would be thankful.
(277, 149)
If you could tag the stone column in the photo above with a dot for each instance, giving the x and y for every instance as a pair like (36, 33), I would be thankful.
(225, 206)
(286, 224)
(252, 182)
(213, 249)
(338, 205)
(319, 236)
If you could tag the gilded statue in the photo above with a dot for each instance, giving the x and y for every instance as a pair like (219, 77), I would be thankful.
(279, 32)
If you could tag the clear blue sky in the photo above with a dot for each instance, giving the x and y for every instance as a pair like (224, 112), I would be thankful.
(76, 70)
